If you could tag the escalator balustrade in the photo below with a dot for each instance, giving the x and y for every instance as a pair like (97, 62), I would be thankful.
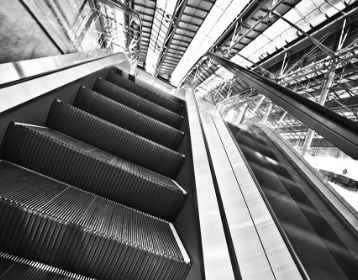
(320, 239)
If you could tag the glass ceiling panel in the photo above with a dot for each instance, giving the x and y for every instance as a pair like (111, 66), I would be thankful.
(162, 19)
(216, 22)
(241, 61)
(305, 7)
(304, 14)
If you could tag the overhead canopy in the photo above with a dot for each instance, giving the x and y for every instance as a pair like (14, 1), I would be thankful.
(293, 42)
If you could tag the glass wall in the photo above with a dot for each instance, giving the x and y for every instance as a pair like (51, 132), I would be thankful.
(39, 28)
(335, 166)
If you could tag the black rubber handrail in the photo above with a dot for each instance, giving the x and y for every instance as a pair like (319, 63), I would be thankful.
(338, 130)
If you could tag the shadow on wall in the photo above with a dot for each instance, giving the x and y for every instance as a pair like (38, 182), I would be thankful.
(20, 35)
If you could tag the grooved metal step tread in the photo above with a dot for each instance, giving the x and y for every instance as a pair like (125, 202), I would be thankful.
(79, 164)
(160, 92)
(56, 224)
(124, 74)
(15, 268)
(128, 118)
(138, 103)
(113, 139)
(145, 92)
(143, 83)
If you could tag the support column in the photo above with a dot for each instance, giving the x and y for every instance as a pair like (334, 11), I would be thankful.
(264, 120)
(337, 129)
(242, 114)
(258, 104)
(322, 99)
(282, 117)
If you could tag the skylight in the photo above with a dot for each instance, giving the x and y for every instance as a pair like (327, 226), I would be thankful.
(305, 14)
(221, 15)
(161, 22)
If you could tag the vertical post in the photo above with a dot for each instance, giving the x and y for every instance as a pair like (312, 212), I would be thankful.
(322, 99)
(264, 120)
(258, 104)
(284, 64)
(242, 114)
(282, 117)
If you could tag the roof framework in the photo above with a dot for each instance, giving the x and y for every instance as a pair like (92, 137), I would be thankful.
(296, 43)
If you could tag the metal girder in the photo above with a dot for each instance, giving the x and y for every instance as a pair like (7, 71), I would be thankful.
(314, 40)
(196, 8)
(322, 99)
(256, 4)
(333, 127)
(178, 13)
(332, 25)
(145, 52)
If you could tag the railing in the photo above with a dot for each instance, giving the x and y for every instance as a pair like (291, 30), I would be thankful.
(325, 139)
(338, 130)
(68, 33)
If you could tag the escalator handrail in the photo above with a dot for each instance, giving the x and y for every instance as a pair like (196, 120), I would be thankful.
(342, 207)
(340, 131)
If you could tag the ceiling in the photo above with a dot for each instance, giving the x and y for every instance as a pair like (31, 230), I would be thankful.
(296, 43)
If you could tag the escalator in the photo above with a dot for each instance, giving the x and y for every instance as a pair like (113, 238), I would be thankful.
(93, 192)
(321, 241)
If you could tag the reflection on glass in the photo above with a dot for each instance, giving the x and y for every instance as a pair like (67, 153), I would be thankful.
(335, 166)
(325, 246)
(86, 25)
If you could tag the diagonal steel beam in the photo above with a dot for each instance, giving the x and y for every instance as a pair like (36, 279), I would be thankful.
(335, 128)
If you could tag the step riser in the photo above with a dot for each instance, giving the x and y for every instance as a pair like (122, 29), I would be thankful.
(143, 92)
(63, 246)
(82, 233)
(15, 268)
(104, 175)
(128, 118)
(137, 103)
(113, 139)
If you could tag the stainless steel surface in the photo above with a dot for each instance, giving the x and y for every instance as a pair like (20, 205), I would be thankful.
(162, 85)
(14, 71)
(277, 252)
(180, 244)
(216, 258)
(19, 93)
(261, 253)
(179, 187)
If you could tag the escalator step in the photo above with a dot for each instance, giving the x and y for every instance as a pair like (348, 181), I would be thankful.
(144, 92)
(128, 118)
(160, 92)
(53, 223)
(113, 139)
(148, 86)
(15, 268)
(124, 74)
(138, 103)
(252, 141)
(81, 165)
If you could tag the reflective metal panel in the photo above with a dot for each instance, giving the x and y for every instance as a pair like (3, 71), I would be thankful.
(345, 209)
(250, 254)
(276, 250)
(217, 264)
(14, 71)
(17, 94)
